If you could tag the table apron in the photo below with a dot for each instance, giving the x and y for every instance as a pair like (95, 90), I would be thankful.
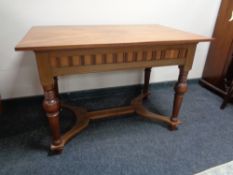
(77, 61)
(63, 62)
(113, 67)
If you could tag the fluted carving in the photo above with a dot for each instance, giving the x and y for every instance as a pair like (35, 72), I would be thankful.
(116, 57)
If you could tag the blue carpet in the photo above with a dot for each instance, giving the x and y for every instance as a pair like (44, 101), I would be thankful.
(121, 146)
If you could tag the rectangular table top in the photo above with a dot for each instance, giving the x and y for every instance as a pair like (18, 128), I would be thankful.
(74, 37)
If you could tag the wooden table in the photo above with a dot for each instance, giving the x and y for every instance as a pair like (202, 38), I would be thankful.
(65, 50)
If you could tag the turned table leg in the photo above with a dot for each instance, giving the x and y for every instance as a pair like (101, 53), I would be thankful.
(146, 80)
(180, 89)
(51, 106)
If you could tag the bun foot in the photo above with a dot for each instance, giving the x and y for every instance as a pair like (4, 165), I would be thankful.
(173, 127)
(174, 124)
(57, 149)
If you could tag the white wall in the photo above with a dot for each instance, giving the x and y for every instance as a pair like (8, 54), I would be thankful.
(18, 74)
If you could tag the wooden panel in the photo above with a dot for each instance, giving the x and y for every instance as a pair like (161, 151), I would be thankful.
(63, 61)
(135, 56)
(87, 60)
(72, 37)
(99, 59)
(149, 55)
(76, 60)
(53, 62)
(182, 53)
(157, 54)
(139, 55)
(109, 58)
(82, 58)
(120, 57)
(171, 53)
(129, 56)
(114, 55)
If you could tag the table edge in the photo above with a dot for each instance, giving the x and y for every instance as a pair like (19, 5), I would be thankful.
(89, 46)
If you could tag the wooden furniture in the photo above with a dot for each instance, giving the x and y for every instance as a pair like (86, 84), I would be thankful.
(64, 50)
(220, 52)
(228, 85)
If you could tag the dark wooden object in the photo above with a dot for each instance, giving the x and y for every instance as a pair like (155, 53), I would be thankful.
(229, 86)
(146, 81)
(0, 104)
(228, 96)
(219, 56)
(64, 50)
